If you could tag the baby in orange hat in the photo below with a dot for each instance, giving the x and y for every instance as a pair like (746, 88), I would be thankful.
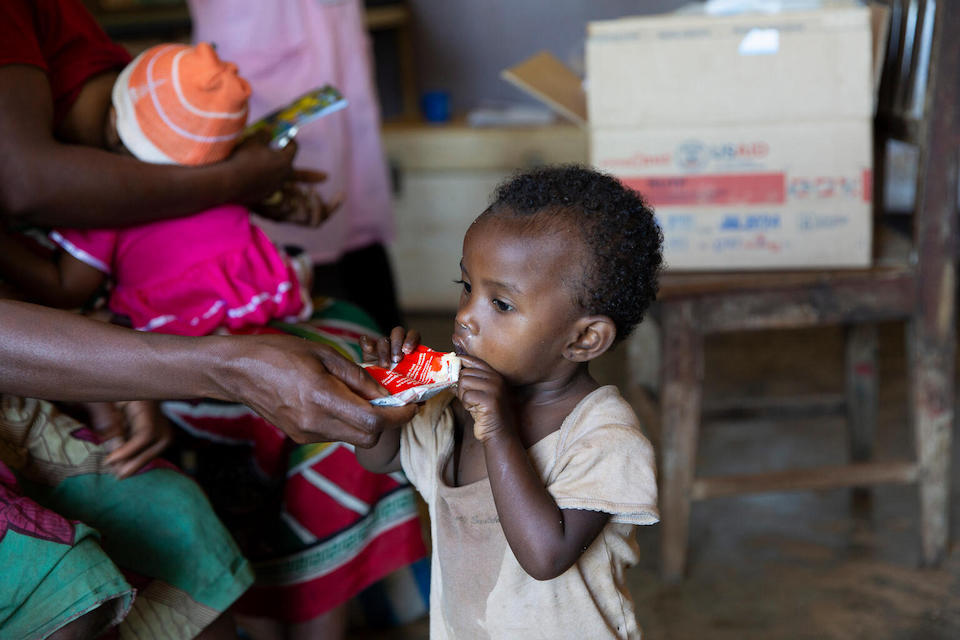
(180, 104)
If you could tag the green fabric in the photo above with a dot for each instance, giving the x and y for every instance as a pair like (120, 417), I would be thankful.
(316, 328)
(157, 524)
(47, 584)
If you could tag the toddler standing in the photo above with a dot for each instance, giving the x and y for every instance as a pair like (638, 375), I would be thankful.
(534, 474)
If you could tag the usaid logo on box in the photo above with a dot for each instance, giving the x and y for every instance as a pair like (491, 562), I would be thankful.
(696, 155)
(749, 222)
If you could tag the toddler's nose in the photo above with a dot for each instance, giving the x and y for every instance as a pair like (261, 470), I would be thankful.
(463, 324)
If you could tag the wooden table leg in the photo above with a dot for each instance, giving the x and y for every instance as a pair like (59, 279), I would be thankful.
(681, 395)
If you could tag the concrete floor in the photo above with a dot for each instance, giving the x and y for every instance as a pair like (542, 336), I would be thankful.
(798, 565)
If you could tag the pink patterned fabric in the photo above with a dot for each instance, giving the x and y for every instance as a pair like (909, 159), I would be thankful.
(192, 275)
(23, 515)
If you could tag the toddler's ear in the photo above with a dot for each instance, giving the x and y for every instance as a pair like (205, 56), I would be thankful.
(591, 337)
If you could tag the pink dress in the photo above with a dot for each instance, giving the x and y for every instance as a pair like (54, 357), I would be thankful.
(284, 49)
(192, 275)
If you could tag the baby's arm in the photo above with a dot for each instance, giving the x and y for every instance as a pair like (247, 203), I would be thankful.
(62, 282)
(546, 539)
(384, 457)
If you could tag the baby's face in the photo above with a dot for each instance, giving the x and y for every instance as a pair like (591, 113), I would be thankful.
(110, 136)
(516, 308)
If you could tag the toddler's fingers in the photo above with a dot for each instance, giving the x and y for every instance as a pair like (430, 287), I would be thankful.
(384, 358)
(476, 364)
(397, 344)
(369, 349)
(412, 341)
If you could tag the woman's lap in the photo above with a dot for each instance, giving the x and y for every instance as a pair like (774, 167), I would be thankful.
(157, 525)
(317, 527)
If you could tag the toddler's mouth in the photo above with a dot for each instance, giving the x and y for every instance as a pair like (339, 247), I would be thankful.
(458, 348)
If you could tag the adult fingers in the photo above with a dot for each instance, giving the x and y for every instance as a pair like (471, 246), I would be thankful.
(333, 205)
(349, 373)
(309, 176)
(136, 463)
(351, 418)
(136, 443)
(307, 207)
(107, 420)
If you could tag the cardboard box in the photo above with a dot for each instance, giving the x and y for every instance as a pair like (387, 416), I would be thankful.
(776, 195)
(702, 69)
(750, 135)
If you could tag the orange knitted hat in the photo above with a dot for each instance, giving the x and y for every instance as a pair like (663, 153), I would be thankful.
(178, 104)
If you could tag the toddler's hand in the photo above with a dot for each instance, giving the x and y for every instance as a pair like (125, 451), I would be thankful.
(145, 434)
(389, 350)
(484, 394)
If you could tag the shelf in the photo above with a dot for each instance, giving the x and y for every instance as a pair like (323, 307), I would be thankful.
(421, 146)
(159, 20)
(387, 17)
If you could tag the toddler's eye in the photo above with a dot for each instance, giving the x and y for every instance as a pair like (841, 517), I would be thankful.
(466, 285)
(501, 305)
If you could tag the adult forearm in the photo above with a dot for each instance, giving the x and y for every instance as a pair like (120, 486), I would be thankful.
(45, 180)
(61, 356)
(307, 390)
(84, 187)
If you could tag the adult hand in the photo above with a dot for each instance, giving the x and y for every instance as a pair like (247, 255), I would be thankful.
(298, 202)
(133, 432)
(308, 390)
(257, 170)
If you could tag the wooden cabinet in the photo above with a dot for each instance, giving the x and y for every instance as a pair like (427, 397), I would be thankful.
(445, 175)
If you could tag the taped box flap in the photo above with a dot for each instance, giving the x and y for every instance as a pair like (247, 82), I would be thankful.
(547, 79)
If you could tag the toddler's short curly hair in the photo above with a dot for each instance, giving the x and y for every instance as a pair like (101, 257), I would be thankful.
(617, 226)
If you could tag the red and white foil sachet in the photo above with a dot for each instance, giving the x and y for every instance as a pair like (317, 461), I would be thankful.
(418, 376)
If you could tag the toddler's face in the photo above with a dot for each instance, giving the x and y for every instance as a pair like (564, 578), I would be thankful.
(516, 308)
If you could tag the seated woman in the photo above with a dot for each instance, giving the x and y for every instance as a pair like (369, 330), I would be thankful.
(152, 534)
(93, 541)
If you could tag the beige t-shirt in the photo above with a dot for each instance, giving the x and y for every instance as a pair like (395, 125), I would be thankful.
(597, 460)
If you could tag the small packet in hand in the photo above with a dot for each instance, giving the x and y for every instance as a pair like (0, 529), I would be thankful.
(284, 123)
(418, 376)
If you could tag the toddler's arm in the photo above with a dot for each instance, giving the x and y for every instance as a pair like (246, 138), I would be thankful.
(63, 282)
(384, 456)
(546, 539)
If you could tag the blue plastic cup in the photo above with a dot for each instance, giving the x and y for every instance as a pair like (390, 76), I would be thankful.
(435, 106)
